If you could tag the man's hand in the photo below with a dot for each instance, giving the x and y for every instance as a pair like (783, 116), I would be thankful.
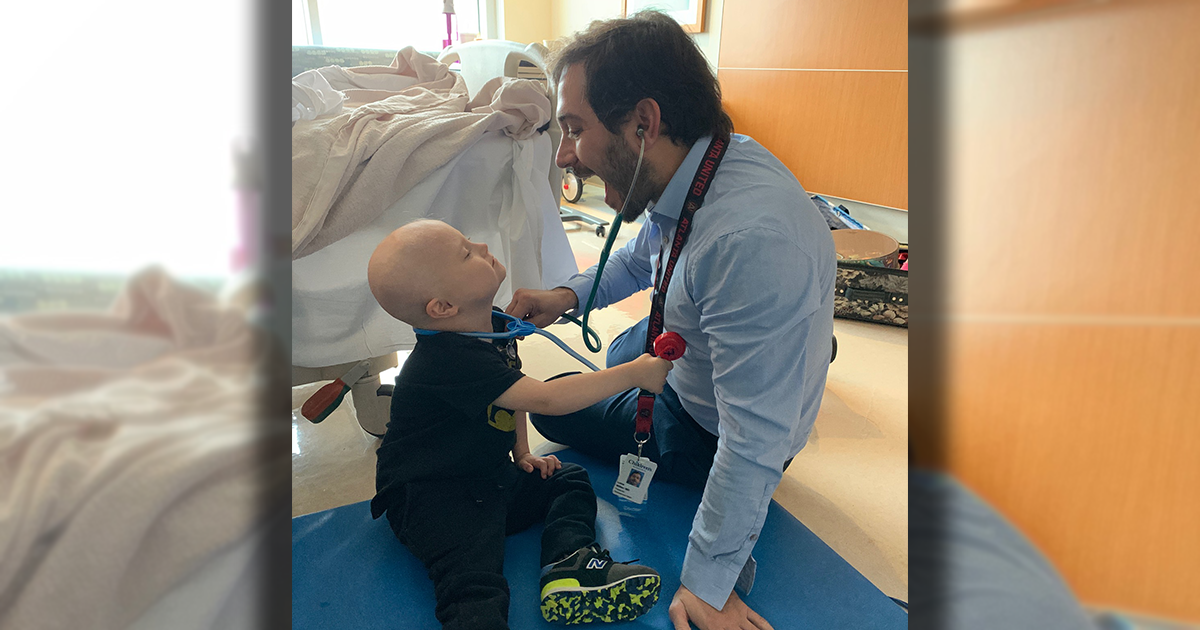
(541, 307)
(547, 465)
(736, 615)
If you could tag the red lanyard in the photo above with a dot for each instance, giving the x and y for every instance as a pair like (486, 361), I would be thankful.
(644, 420)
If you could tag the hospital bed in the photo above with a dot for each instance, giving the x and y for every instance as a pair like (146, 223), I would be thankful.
(498, 191)
(482, 60)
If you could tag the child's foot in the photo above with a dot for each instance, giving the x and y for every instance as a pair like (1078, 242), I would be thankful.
(588, 586)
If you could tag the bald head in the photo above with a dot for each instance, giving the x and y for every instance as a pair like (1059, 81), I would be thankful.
(426, 273)
(403, 271)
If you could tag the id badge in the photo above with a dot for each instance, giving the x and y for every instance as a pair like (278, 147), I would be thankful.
(633, 480)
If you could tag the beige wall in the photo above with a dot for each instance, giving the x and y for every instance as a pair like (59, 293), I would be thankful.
(525, 21)
(565, 17)
(574, 15)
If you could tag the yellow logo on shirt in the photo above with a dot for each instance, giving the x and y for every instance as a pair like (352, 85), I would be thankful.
(501, 419)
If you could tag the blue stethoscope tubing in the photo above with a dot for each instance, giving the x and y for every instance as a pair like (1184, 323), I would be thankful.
(517, 328)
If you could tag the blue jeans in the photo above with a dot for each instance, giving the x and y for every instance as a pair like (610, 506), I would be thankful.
(682, 449)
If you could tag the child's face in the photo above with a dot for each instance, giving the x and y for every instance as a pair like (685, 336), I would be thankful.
(468, 269)
(428, 269)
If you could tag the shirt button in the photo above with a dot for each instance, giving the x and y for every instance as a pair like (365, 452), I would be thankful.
(753, 536)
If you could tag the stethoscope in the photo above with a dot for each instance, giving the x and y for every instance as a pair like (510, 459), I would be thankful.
(588, 333)
(668, 345)
(515, 328)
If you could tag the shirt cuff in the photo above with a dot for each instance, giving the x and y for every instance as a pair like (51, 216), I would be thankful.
(713, 580)
(581, 285)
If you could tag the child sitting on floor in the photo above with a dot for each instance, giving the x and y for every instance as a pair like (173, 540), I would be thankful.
(444, 476)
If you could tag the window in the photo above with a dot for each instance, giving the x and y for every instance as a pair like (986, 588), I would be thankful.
(302, 30)
(382, 24)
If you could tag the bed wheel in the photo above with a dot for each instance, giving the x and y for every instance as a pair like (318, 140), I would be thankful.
(601, 231)
(572, 187)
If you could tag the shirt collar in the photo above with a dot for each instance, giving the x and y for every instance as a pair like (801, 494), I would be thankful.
(670, 204)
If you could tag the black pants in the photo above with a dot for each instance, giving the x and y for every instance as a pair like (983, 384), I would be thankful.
(457, 529)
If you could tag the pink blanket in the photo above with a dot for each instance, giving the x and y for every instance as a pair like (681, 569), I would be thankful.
(130, 452)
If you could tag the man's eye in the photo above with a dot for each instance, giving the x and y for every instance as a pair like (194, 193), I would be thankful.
(573, 134)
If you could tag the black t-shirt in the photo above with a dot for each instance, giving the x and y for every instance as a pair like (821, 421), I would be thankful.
(443, 423)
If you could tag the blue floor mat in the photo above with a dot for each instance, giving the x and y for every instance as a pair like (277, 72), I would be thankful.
(349, 571)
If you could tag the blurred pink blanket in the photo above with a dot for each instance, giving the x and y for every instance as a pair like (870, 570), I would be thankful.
(130, 452)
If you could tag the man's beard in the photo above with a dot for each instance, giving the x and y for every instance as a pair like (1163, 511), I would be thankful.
(622, 162)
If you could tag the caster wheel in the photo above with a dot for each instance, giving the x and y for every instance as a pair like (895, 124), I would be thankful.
(600, 231)
(572, 187)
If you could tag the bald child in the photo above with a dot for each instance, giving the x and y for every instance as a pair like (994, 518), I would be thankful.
(455, 474)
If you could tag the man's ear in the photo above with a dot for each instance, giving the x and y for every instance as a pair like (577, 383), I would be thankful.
(440, 309)
(648, 117)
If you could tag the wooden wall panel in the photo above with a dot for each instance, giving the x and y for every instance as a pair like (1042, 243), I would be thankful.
(1086, 438)
(1073, 160)
(859, 34)
(1074, 322)
(840, 133)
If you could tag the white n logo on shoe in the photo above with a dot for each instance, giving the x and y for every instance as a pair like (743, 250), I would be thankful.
(596, 563)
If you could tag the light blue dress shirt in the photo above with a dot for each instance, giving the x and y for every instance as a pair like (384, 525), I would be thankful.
(752, 295)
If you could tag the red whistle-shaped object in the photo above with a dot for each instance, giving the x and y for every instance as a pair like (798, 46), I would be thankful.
(669, 346)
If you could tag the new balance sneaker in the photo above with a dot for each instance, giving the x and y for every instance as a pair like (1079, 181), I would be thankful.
(588, 586)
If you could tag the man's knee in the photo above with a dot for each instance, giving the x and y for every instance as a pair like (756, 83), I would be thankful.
(628, 345)
(545, 425)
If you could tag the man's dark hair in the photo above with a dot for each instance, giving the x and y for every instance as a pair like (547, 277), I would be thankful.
(647, 55)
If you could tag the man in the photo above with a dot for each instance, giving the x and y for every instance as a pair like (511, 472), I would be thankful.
(752, 294)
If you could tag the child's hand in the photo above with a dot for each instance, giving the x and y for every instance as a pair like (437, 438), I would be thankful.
(547, 465)
(650, 372)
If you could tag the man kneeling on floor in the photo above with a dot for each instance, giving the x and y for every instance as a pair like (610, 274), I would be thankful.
(444, 476)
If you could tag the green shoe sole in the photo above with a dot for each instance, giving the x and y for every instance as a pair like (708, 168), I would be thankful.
(624, 601)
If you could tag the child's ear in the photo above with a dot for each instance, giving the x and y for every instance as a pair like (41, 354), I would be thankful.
(440, 309)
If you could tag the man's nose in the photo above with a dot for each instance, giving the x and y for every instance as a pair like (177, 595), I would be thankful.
(565, 158)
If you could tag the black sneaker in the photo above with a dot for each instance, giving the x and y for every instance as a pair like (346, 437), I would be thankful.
(588, 586)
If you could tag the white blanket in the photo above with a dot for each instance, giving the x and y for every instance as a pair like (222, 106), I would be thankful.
(313, 96)
(130, 453)
(347, 169)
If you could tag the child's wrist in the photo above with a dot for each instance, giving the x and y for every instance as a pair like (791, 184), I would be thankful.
(629, 373)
